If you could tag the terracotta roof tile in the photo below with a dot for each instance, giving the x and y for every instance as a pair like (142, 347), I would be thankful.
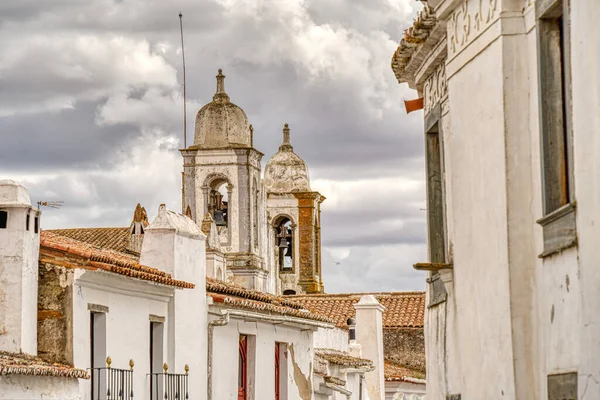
(239, 297)
(107, 238)
(402, 309)
(342, 358)
(397, 372)
(52, 246)
(24, 364)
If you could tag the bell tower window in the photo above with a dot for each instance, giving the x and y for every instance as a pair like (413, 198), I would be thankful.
(3, 219)
(217, 203)
(284, 242)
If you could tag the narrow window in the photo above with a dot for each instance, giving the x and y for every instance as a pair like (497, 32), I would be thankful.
(284, 245)
(3, 219)
(156, 358)
(554, 108)
(255, 219)
(436, 228)
(555, 140)
(27, 222)
(36, 224)
(243, 367)
(98, 354)
(280, 371)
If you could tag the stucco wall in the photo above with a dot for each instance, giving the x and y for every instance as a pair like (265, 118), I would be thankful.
(225, 360)
(27, 387)
(336, 339)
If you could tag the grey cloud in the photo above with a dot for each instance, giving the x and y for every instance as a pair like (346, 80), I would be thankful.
(322, 66)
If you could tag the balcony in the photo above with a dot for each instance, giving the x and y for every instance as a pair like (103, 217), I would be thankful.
(112, 383)
(168, 386)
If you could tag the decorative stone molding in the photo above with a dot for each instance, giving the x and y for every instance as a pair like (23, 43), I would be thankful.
(435, 88)
(468, 21)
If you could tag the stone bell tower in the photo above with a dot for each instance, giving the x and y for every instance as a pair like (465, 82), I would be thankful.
(294, 216)
(222, 175)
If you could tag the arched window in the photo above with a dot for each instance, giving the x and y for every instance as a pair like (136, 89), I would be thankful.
(289, 292)
(217, 202)
(284, 243)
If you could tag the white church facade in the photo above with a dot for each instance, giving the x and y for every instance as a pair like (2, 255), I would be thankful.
(510, 92)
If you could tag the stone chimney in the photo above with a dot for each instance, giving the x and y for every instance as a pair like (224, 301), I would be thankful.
(19, 252)
(137, 229)
(369, 333)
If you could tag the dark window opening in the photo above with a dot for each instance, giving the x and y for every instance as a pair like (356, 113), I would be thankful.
(554, 108)
(27, 222)
(436, 209)
(36, 224)
(289, 292)
(217, 204)
(284, 242)
(3, 219)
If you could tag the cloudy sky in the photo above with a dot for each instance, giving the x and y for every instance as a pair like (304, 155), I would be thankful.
(91, 113)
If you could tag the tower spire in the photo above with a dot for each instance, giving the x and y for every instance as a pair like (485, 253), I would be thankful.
(220, 95)
(286, 145)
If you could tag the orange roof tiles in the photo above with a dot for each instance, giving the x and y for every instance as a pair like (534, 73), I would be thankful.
(396, 372)
(402, 309)
(107, 238)
(53, 246)
(24, 364)
(239, 297)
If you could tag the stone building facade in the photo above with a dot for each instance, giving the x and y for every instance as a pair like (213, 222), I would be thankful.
(510, 96)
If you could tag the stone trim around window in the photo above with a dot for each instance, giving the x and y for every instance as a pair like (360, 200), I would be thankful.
(560, 230)
(97, 308)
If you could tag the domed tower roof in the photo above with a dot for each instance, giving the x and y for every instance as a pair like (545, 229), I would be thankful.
(220, 123)
(286, 172)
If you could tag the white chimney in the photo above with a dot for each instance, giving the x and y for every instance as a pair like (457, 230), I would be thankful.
(369, 334)
(19, 251)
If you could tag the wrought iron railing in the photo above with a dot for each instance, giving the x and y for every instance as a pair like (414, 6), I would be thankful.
(167, 386)
(112, 383)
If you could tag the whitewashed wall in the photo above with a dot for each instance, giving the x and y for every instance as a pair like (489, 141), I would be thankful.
(226, 353)
(336, 339)
(27, 387)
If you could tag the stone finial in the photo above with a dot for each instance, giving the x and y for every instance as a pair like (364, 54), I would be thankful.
(220, 95)
(286, 145)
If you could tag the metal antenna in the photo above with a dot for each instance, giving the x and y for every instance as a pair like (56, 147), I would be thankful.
(52, 204)
(184, 96)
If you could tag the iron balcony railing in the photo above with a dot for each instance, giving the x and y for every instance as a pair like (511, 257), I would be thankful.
(167, 386)
(112, 383)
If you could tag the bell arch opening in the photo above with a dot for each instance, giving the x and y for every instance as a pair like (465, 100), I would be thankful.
(284, 244)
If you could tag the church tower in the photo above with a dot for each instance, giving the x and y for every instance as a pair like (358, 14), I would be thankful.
(222, 175)
(294, 216)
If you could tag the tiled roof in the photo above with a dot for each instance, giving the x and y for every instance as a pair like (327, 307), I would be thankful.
(107, 238)
(239, 297)
(24, 364)
(342, 358)
(331, 379)
(396, 372)
(402, 309)
(413, 38)
(53, 248)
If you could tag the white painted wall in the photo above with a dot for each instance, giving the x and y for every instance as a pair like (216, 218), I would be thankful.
(19, 250)
(512, 318)
(369, 334)
(336, 339)
(27, 387)
(225, 359)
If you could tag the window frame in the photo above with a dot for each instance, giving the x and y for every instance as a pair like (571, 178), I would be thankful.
(436, 205)
(556, 137)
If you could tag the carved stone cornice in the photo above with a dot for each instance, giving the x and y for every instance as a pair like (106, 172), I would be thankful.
(468, 21)
(435, 88)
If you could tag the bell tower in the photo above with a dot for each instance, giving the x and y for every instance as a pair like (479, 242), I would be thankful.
(294, 215)
(221, 177)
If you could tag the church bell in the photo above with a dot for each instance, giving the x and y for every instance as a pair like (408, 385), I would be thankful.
(283, 243)
(288, 252)
(218, 217)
